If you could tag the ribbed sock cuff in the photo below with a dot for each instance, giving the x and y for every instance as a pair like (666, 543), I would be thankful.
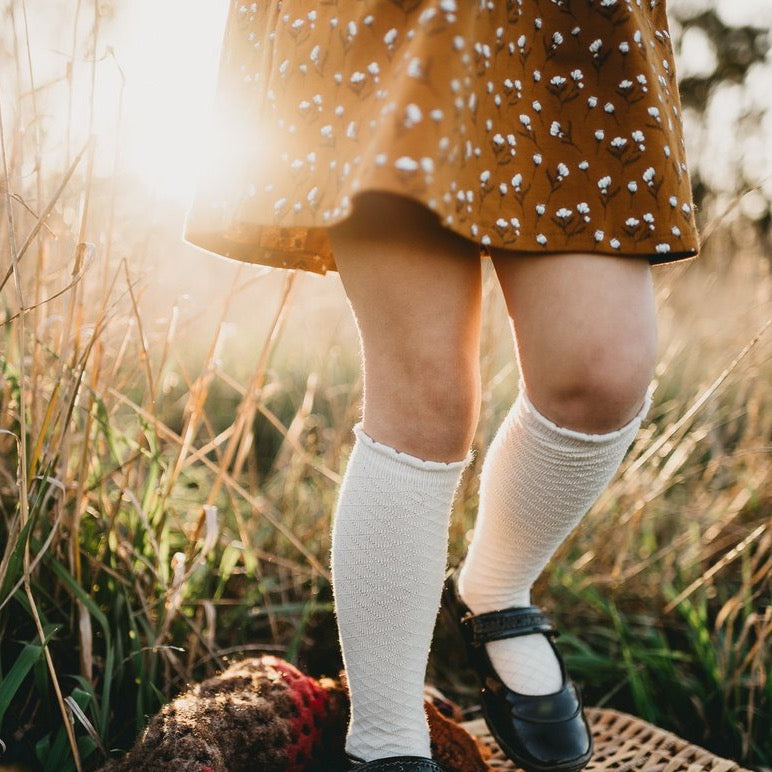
(548, 428)
(407, 458)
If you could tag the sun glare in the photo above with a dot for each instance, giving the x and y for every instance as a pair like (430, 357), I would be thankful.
(161, 59)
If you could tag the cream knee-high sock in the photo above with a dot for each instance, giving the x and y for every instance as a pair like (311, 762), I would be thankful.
(388, 558)
(537, 482)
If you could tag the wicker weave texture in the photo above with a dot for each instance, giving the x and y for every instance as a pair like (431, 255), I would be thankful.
(624, 742)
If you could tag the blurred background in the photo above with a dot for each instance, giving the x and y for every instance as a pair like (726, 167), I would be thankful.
(182, 420)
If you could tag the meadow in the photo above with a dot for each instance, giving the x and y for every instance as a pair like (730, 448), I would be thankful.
(174, 428)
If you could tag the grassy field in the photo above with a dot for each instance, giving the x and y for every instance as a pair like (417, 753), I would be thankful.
(183, 445)
(173, 431)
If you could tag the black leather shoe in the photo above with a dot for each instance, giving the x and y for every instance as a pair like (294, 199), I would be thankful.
(539, 732)
(395, 764)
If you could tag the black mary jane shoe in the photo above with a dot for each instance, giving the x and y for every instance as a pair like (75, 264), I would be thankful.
(539, 732)
(395, 764)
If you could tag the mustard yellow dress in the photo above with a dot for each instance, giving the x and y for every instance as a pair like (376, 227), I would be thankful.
(530, 125)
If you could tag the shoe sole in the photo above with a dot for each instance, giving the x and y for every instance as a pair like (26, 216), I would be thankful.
(528, 766)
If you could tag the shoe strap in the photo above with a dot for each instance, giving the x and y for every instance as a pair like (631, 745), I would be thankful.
(507, 623)
(396, 764)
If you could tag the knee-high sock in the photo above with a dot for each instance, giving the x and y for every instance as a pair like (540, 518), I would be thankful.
(389, 552)
(537, 482)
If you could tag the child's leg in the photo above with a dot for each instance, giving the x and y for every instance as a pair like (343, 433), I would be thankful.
(415, 291)
(586, 339)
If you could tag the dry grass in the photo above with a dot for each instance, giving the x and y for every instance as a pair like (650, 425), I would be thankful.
(167, 488)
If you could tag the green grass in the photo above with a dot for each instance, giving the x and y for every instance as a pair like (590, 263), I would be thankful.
(166, 494)
(662, 592)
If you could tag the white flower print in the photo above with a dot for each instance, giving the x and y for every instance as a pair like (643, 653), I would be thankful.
(413, 115)
(414, 68)
(406, 163)
(334, 97)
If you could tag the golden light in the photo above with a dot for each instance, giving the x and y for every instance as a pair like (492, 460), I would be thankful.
(156, 64)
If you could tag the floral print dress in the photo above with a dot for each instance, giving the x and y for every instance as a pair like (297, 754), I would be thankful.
(530, 125)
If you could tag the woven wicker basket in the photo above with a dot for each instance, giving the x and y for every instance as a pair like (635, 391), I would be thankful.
(623, 742)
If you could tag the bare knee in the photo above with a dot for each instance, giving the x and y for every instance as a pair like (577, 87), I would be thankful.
(428, 406)
(600, 387)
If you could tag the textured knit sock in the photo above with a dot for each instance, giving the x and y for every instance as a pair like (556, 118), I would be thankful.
(537, 482)
(389, 552)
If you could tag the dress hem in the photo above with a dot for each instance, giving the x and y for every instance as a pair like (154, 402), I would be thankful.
(307, 247)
